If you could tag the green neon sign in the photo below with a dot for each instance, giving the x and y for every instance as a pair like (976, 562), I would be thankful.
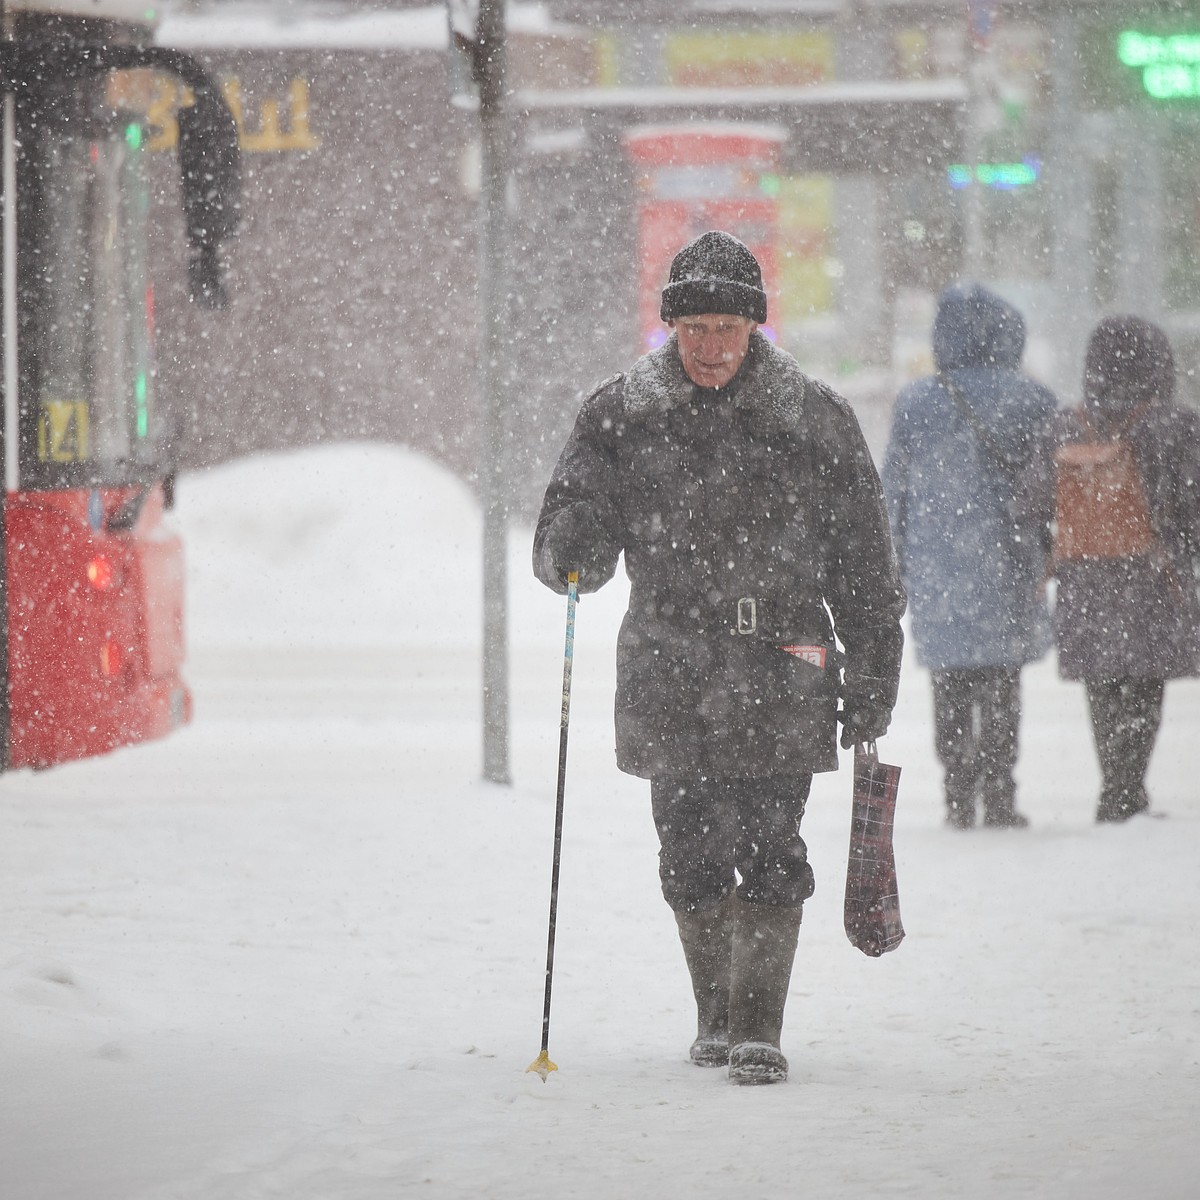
(143, 411)
(1170, 64)
(1004, 177)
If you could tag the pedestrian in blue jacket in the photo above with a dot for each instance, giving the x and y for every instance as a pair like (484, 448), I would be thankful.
(959, 439)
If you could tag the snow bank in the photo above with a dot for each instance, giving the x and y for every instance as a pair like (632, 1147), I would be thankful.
(352, 545)
(342, 545)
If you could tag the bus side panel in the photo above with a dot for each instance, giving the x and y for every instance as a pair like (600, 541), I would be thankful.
(96, 640)
(160, 571)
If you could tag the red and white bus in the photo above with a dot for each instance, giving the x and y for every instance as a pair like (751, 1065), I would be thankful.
(91, 602)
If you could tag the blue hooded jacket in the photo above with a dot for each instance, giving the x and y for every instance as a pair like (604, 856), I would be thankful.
(972, 575)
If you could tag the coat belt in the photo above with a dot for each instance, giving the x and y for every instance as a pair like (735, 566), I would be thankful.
(740, 616)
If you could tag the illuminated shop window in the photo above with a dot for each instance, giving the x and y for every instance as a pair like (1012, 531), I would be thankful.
(1169, 64)
(1181, 219)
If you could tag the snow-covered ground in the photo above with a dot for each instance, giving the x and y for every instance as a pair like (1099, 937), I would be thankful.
(296, 951)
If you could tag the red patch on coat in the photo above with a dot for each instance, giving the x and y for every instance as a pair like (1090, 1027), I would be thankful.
(809, 654)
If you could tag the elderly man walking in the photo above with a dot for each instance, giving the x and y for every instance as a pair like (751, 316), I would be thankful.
(764, 590)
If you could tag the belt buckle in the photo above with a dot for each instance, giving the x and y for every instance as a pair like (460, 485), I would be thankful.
(747, 615)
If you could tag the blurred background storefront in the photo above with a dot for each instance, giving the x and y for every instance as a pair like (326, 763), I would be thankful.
(1047, 148)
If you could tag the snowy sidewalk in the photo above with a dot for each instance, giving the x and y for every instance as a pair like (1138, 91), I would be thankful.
(296, 951)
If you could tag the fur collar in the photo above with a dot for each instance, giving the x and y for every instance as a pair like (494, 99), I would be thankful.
(771, 387)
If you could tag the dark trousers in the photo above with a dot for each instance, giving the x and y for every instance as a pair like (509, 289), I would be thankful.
(976, 714)
(1126, 715)
(708, 829)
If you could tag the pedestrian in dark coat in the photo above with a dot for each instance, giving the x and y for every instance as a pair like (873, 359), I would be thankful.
(1126, 624)
(755, 537)
(959, 439)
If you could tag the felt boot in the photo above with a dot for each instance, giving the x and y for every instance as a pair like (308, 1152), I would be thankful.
(707, 938)
(1000, 810)
(764, 946)
(1121, 803)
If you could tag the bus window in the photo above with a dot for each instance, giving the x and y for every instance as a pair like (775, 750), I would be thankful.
(86, 366)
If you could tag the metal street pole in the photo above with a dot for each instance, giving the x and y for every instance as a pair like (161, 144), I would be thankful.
(973, 239)
(980, 15)
(493, 300)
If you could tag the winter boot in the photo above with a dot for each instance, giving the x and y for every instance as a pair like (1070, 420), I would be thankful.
(764, 945)
(960, 805)
(1005, 818)
(960, 812)
(1120, 803)
(707, 939)
(961, 784)
(1000, 810)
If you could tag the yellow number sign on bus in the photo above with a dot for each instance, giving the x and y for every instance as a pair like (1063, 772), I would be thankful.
(64, 431)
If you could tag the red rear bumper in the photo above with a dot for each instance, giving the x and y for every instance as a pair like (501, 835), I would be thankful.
(95, 626)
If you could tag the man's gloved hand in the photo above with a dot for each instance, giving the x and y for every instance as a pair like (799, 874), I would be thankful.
(865, 713)
(862, 723)
(576, 542)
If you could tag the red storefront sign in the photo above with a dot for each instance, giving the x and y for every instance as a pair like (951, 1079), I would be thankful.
(693, 178)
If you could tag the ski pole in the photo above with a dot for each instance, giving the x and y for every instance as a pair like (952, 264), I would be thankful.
(542, 1064)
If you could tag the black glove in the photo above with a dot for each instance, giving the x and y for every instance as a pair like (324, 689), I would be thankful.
(865, 714)
(576, 542)
(862, 723)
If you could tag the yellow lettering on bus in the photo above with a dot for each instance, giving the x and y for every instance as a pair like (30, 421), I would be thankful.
(64, 431)
(272, 133)
(271, 136)
(169, 97)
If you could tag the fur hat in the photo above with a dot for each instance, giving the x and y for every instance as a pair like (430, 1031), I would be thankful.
(715, 273)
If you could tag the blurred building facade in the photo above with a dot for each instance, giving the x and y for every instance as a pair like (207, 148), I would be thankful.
(1048, 148)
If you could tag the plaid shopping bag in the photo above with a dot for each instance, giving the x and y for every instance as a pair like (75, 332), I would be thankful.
(872, 913)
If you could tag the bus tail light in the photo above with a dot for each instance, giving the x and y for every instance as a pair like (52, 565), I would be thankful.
(112, 659)
(101, 573)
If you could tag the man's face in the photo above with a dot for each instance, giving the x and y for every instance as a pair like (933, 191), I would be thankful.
(712, 346)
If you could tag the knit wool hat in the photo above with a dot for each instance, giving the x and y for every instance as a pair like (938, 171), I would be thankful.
(715, 273)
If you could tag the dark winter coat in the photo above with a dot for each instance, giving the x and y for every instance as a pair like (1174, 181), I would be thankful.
(760, 501)
(1136, 616)
(972, 578)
